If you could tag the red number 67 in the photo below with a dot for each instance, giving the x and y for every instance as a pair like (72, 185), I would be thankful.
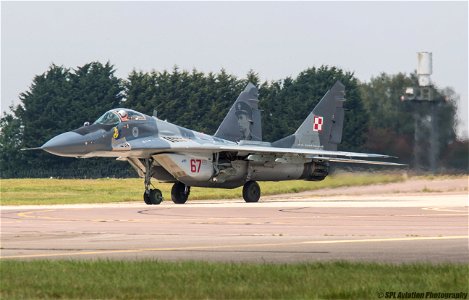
(195, 165)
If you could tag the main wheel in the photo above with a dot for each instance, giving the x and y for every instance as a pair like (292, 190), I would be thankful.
(251, 191)
(180, 192)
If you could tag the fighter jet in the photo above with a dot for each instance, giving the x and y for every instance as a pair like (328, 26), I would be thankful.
(234, 156)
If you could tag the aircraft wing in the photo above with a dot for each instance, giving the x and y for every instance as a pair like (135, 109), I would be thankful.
(359, 161)
(255, 152)
(300, 151)
(282, 154)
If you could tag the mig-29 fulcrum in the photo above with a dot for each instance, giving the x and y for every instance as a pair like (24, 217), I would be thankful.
(234, 156)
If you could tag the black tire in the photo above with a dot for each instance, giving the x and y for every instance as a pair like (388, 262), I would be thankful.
(146, 198)
(156, 196)
(180, 193)
(251, 191)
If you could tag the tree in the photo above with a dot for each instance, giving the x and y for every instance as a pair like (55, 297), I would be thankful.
(94, 90)
(10, 143)
(58, 100)
(62, 99)
(189, 99)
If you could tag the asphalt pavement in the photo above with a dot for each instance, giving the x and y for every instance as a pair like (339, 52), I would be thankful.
(394, 228)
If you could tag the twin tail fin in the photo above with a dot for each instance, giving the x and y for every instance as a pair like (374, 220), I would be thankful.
(243, 121)
(322, 129)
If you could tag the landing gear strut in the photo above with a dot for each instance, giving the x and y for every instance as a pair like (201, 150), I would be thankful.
(150, 196)
(180, 192)
(251, 191)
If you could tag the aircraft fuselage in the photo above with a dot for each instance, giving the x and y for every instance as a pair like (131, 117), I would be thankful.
(148, 137)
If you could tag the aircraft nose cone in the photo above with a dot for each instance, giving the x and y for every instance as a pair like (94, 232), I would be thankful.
(66, 144)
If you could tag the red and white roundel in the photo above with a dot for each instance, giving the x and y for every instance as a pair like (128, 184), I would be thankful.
(317, 125)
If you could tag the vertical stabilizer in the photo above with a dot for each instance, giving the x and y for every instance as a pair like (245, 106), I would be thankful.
(322, 129)
(243, 121)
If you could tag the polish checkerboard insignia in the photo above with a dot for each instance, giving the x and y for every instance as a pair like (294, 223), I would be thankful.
(317, 125)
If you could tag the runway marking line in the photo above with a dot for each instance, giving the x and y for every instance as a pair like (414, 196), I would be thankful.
(444, 209)
(82, 253)
(32, 215)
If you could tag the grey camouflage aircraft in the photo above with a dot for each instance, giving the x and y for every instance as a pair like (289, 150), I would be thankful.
(234, 156)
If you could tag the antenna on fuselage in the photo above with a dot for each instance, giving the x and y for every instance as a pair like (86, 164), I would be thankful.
(155, 113)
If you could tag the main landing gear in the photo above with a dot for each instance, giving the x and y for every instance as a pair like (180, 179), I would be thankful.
(150, 196)
(251, 191)
(180, 192)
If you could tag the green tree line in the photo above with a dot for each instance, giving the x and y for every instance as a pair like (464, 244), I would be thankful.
(62, 99)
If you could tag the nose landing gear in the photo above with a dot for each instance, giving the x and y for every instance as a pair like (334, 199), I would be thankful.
(150, 196)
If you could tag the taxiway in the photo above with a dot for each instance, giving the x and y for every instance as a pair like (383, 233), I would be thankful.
(423, 227)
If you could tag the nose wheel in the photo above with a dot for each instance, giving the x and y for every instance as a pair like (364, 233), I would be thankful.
(150, 196)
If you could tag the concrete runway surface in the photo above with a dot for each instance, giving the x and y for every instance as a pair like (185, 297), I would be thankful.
(422, 227)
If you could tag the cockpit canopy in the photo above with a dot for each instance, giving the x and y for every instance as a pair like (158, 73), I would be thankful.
(115, 116)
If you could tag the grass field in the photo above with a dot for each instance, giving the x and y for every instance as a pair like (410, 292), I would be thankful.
(68, 191)
(202, 280)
